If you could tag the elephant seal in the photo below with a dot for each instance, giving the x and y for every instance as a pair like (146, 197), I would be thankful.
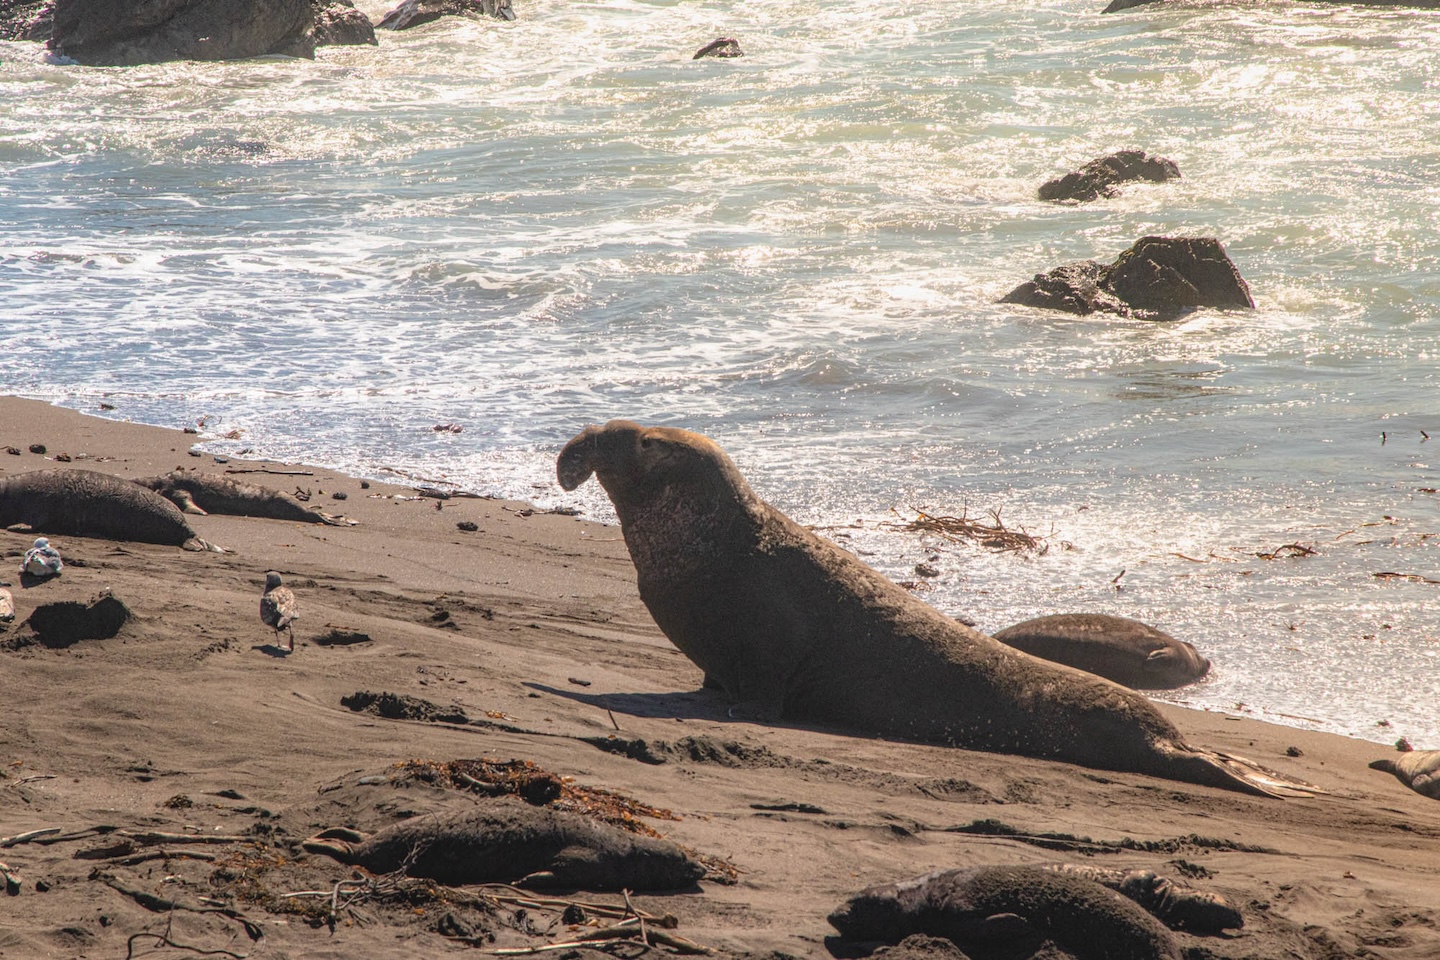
(792, 626)
(207, 493)
(83, 503)
(508, 841)
(1418, 769)
(1172, 902)
(1116, 648)
(990, 909)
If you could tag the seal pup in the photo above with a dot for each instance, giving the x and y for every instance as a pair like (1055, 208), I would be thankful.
(1117, 648)
(84, 503)
(1417, 769)
(202, 493)
(982, 908)
(792, 626)
(42, 561)
(508, 841)
(278, 609)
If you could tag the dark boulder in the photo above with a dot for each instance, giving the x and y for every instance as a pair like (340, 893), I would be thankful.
(26, 19)
(412, 13)
(722, 47)
(338, 23)
(1102, 176)
(1159, 278)
(106, 33)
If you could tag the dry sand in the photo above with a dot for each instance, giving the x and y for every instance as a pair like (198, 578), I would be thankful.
(191, 721)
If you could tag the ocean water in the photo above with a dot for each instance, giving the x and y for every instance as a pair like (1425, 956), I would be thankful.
(526, 227)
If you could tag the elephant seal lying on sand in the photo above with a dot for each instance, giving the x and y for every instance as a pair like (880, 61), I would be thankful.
(1418, 769)
(795, 627)
(507, 841)
(985, 909)
(83, 503)
(1116, 648)
(214, 494)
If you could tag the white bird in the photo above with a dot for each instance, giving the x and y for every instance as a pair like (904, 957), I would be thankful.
(42, 560)
(7, 606)
(278, 608)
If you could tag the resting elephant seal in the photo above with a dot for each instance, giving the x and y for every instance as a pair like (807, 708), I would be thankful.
(214, 494)
(1417, 769)
(507, 841)
(796, 627)
(991, 908)
(1116, 648)
(83, 503)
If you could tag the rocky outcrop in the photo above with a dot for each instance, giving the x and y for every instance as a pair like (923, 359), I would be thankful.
(412, 13)
(338, 23)
(722, 47)
(1159, 278)
(1102, 176)
(25, 19)
(106, 33)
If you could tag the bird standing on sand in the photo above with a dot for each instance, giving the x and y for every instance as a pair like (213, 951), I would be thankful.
(7, 606)
(42, 560)
(278, 608)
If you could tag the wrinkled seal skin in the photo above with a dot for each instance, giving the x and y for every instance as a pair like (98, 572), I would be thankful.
(215, 494)
(1418, 769)
(793, 626)
(508, 841)
(1117, 648)
(985, 907)
(83, 503)
(1173, 902)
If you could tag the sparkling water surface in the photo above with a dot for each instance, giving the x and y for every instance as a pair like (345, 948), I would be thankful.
(526, 227)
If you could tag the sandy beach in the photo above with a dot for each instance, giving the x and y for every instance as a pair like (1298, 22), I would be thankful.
(191, 721)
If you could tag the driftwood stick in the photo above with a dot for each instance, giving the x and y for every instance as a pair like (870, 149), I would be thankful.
(505, 893)
(679, 944)
(164, 939)
(29, 837)
(135, 858)
(278, 473)
(140, 836)
(159, 904)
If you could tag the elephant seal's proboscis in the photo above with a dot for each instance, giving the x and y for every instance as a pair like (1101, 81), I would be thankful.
(794, 627)
(84, 503)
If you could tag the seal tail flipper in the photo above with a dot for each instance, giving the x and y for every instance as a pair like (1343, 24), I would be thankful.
(1214, 769)
(195, 543)
(335, 521)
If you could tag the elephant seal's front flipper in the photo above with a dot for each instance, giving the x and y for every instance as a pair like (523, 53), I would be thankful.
(774, 614)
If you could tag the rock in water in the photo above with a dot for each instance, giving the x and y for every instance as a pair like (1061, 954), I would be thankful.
(1159, 278)
(722, 47)
(1116, 648)
(413, 13)
(507, 841)
(1102, 176)
(338, 23)
(107, 33)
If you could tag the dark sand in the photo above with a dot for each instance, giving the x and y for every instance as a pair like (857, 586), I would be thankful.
(190, 720)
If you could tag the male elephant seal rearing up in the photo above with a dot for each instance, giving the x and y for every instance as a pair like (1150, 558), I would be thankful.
(84, 503)
(792, 625)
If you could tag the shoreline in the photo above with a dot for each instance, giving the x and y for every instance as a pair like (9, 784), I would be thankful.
(531, 625)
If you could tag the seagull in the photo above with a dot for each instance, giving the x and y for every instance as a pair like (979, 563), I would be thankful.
(278, 608)
(42, 560)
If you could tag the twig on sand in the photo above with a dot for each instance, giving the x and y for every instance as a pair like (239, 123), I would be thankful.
(133, 859)
(159, 904)
(158, 837)
(1411, 577)
(622, 930)
(278, 473)
(28, 837)
(504, 893)
(992, 533)
(1288, 550)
